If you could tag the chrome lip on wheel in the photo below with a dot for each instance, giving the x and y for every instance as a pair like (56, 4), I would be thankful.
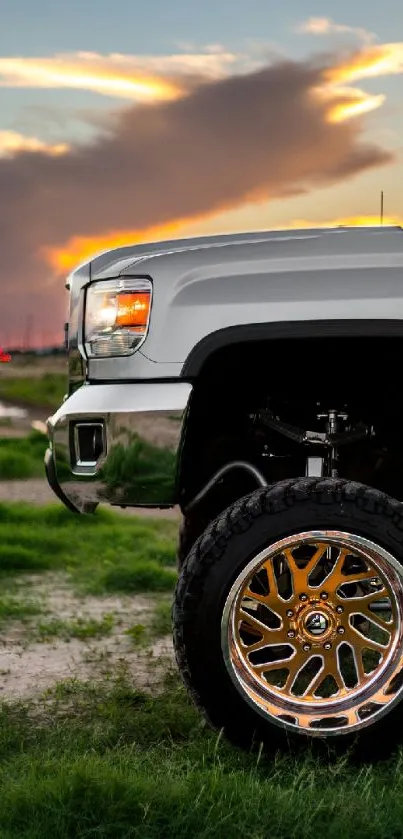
(312, 633)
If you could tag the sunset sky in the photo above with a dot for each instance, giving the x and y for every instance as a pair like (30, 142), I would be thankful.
(126, 122)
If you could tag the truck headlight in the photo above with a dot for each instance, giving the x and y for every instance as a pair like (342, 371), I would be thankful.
(117, 314)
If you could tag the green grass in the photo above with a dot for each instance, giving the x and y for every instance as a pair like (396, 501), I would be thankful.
(82, 628)
(103, 553)
(14, 608)
(106, 761)
(45, 391)
(133, 578)
(22, 458)
(139, 634)
(161, 623)
(142, 635)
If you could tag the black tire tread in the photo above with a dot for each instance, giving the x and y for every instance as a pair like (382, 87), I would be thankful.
(190, 530)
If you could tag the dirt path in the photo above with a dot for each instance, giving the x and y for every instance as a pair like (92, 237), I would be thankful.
(29, 665)
(37, 491)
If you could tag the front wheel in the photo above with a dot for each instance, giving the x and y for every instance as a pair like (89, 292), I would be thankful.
(288, 616)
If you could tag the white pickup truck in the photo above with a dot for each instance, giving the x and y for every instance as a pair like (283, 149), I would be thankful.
(252, 379)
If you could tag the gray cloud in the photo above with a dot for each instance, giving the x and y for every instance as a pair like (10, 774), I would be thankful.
(261, 134)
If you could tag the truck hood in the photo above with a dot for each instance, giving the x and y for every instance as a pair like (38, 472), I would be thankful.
(205, 285)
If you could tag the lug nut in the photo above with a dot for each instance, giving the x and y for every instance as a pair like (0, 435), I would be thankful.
(339, 609)
(306, 648)
(303, 597)
(324, 595)
(291, 633)
(341, 630)
(327, 646)
(289, 613)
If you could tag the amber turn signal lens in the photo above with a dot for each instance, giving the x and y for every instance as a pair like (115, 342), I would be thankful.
(133, 308)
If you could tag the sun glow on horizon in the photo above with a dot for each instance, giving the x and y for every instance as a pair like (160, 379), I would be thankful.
(79, 250)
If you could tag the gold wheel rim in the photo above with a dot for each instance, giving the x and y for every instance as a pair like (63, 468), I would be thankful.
(312, 632)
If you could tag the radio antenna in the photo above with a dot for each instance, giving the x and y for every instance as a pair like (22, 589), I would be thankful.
(382, 207)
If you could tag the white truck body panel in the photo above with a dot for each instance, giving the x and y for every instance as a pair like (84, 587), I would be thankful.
(201, 286)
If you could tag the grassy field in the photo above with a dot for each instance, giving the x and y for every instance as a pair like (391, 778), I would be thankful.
(22, 458)
(100, 554)
(34, 382)
(114, 762)
(105, 756)
(45, 391)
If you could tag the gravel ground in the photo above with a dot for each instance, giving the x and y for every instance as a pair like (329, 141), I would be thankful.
(37, 491)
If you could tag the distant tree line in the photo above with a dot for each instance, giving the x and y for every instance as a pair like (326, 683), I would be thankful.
(59, 350)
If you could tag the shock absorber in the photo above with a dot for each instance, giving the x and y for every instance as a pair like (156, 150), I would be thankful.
(333, 418)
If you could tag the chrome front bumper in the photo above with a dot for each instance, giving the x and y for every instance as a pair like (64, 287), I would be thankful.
(119, 444)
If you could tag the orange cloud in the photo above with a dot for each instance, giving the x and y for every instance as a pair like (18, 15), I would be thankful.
(327, 26)
(142, 78)
(11, 143)
(159, 78)
(347, 103)
(370, 62)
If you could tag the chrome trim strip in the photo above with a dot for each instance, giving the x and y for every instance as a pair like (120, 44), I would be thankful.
(144, 427)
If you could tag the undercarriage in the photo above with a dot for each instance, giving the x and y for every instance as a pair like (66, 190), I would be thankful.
(303, 408)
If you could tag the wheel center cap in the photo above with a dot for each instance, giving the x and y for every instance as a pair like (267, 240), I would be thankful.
(316, 623)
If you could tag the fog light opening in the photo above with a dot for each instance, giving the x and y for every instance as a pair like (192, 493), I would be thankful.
(89, 443)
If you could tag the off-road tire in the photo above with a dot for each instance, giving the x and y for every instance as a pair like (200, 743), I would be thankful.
(214, 562)
(191, 528)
